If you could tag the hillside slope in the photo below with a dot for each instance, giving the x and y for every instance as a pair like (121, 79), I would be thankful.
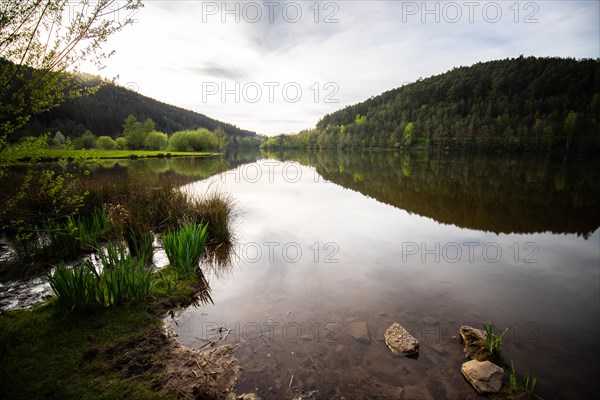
(534, 104)
(103, 113)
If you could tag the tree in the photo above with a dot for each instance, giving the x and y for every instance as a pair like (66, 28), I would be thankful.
(409, 130)
(222, 138)
(86, 141)
(135, 132)
(570, 128)
(105, 143)
(40, 40)
(156, 141)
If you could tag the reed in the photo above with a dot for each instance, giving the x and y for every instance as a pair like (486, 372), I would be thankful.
(78, 289)
(184, 248)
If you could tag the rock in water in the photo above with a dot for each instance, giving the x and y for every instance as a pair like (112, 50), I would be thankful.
(485, 376)
(475, 342)
(400, 341)
(359, 331)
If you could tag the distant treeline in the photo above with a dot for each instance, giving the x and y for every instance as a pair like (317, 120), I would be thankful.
(103, 113)
(522, 104)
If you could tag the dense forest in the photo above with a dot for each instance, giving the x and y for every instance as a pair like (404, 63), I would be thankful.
(104, 111)
(498, 193)
(530, 104)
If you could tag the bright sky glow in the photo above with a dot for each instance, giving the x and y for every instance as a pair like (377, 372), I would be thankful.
(278, 66)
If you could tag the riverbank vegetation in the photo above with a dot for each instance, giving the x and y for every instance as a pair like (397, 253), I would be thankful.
(51, 215)
(521, 104)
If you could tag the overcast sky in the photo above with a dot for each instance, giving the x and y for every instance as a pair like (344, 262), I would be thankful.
(278, 66)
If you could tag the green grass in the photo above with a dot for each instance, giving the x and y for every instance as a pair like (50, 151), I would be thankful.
(527, 384)
(184, 248)
(47, 354)
(106, 353)
(78, 289)
(55, 154)
(493, 341)
(122, 279)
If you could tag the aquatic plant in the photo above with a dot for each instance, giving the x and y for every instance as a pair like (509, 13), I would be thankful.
(515, 385)
(493, 341)
(121, 279)
(124, 278)
(78, 289)
(184, 248)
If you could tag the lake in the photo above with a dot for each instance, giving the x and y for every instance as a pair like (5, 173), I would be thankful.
(327, 242)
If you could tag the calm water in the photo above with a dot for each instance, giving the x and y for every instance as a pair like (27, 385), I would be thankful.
(329, 241)
(326, 240)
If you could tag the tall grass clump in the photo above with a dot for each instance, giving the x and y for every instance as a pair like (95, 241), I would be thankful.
(124, 278)
(216, 209)
(493, 341)
(121, 279)
(78, 289)
(184, 248)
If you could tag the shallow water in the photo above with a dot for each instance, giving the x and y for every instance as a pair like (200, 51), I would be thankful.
(517, 245)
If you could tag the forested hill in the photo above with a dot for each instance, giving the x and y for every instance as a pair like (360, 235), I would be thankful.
(103, 113)
(523, 103)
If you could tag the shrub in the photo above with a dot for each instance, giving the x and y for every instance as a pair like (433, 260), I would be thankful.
(87, 141)
(156, 141)
(121, 143)
(199, 140)
(105, 143)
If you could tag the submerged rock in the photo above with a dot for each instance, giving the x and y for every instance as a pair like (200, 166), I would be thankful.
(485, 376)
(400, 342)
(474, 341)
(359, 331)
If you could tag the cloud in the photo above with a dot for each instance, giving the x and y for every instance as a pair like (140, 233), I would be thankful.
(365, 48)
(216, 70)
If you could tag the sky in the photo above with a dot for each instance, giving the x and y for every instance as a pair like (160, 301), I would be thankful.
(278, 66)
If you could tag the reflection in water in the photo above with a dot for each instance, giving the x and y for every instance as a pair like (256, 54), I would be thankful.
(179, 170)
(313, 260)
(498, 194)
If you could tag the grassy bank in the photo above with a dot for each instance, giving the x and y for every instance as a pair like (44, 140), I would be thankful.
(56, 154)
(117, 352)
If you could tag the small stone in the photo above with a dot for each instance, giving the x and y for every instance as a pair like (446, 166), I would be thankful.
(306, 338)
(397, 392)
(401, 342)
(485, 376)
(359, 331)
(382, 314)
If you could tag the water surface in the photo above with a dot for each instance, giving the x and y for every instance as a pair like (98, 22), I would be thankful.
(329, 240)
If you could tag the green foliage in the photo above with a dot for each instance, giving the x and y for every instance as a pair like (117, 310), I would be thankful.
(221, 137)
(37, 43)
(198, 140)
(184, 248)
(86, 141)
(409, 130)
(121, 143)
(527, 384)
(135, 132)
(522, 104)
(493, 341)
(123, 278)
(106, 143)
(78, 289)
(156, 141)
